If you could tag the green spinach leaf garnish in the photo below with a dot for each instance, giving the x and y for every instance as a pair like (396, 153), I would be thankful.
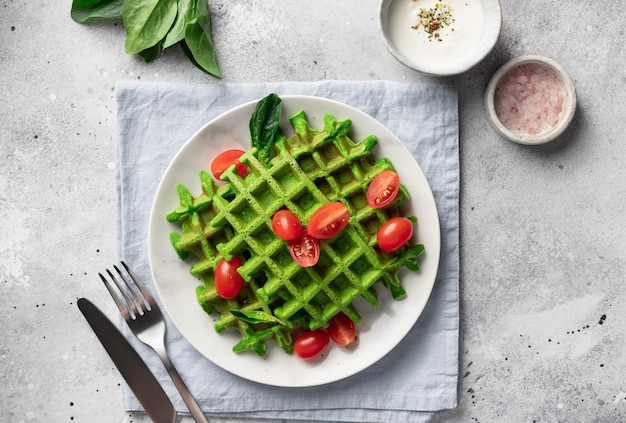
(264, 125)
(255, 316)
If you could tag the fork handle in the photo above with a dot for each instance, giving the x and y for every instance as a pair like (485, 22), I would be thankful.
(191, 403)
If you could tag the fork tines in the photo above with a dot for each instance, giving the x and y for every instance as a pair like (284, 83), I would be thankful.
(141, 300)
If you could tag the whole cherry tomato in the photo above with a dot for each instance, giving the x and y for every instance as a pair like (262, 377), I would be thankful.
(305, 250)
(394, 233)
(311, 344)
(341, 329)
(286, 225)
(226, 159)
(383, 189)
(328, 220)
(228, 282)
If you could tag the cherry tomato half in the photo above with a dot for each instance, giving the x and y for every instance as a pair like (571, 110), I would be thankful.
(305, 250)
(311, 344)
(394, 233)
(286, 225)
(224, 160)
(383, 189)
(328, 220)
(228, 282)
(341, 329)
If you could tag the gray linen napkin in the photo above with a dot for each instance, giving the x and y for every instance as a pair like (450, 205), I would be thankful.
(419, 377)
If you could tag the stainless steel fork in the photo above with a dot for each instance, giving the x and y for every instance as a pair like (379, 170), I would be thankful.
(145, 320)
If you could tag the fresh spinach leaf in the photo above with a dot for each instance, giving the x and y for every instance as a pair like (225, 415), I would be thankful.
(199, 41)
(152, 53)
(147, 22)
(154, 25)
(189, 55)
(83, 10)
(256, 317)
(184, 15)
(264, 125)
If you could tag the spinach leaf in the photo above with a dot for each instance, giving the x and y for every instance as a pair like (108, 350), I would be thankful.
(183, 17)
(154, 25)
(147, 22)
(256, 317)
(152, 53)
(198, 40)
(83, 10)
(189, 55)
(264, 125)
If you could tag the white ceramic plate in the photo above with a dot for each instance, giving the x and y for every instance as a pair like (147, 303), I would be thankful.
(382, 328)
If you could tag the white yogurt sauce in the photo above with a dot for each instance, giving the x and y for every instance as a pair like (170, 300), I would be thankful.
(455, 42)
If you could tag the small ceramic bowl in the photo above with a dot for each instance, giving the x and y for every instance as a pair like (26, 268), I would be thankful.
(440, 37)
(530, 100)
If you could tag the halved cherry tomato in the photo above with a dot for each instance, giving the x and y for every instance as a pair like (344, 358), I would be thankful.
(383, 189)
(286, 225)
(328, 220)
(311, 344)
(228, 282)
(394, 233)
(224, 160)
(341, 329)
(305, 250)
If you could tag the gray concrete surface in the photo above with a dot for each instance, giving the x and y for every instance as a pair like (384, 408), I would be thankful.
(543, 239)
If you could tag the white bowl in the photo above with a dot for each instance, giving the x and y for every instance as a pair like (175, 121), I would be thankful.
(461, 45)
(526, 121)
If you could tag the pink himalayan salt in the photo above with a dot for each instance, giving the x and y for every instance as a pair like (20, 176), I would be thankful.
(529, 99)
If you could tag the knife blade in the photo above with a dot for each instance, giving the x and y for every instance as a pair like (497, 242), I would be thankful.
(133, 369)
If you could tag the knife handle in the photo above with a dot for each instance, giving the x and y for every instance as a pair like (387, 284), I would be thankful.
(131, 366)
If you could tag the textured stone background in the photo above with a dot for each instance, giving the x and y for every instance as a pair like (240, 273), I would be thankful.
(543, 240)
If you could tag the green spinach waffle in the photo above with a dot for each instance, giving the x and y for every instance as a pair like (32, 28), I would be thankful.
(234, 217)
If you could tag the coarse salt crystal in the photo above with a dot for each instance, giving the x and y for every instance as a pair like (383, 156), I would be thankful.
(529, 99)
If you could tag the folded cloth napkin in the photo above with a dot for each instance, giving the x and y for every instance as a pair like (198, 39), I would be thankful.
(414, 381)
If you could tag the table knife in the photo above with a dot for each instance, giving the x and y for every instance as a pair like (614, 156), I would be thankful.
(133, 369)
